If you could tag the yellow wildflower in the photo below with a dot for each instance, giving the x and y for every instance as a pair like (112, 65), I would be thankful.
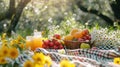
(16, 41)
(21, 46)
(117, 60)
(38, 65)
(4, 41)
(72, 65)
(3, 36)
(48, 61)
(4, 51)
(66, 63)
(13, 53)
(2, 60)
(39, 58)
(28, 64)
(1, 55)
(12, 42)
(20, 38)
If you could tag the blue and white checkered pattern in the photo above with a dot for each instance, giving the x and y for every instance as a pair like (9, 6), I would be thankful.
(106, 47)
(101, 56)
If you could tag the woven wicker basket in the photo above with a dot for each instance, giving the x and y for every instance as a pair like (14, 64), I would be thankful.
(74, 44)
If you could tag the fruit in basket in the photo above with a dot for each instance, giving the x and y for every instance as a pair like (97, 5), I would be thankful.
(84, 46)
(68, 37)
(75, 34)
(73, 31)
(78, 35)
(88, 37)
(86, 32)
(52, 44)
(80, 39)
(57, 36)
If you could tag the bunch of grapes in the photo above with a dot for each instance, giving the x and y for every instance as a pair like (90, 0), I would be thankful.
(52, 44)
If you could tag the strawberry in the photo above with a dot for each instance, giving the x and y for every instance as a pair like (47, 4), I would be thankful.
(43, 46)
(57, 43)
(55, 47)
(53, 40)
(46, 42)
(51, 44)
(60, 47)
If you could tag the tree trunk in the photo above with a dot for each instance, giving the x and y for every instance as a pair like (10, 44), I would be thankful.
(9, 13)
(115, 6)
(17, 15)
(11, 9)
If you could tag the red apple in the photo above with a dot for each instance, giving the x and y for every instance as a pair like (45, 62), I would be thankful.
(86, 31)
(88, 37)
(57, 36)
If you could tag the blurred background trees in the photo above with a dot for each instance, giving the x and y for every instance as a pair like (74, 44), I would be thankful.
(113, 5)
(23, 16)
(13, 14)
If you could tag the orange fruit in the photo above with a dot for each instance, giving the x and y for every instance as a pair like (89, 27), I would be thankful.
(73, 31)
(78, 35)
(68, 37)
(83, 33)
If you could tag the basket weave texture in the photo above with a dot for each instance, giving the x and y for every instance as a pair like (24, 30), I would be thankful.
(74, 44)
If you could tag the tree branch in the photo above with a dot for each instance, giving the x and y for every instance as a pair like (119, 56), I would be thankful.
(96, 12)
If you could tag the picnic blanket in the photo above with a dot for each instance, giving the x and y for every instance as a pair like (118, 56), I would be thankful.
(94, 57)
(91, 57)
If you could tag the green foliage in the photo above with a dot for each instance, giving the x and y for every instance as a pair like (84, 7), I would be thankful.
(59, 16)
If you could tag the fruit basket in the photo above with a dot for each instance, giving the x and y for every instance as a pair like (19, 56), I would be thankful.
(74, 44)
(77, 37)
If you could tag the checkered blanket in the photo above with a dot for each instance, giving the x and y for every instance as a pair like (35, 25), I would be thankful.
(107, 47)
(97, 58)
(94, 57)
